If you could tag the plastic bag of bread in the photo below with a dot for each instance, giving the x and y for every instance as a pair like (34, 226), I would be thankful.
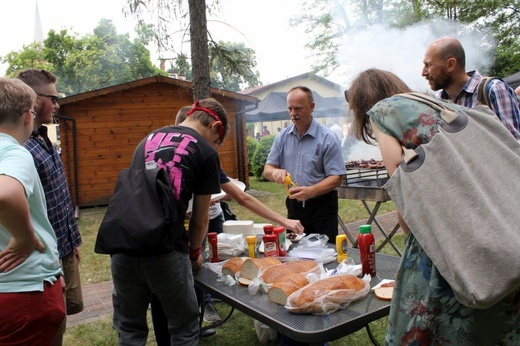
(233, 265)
(252, 267)
(274, 273)
(268, 275)
(325, 296)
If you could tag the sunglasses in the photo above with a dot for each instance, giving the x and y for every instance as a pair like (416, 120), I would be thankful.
(214, 115)
(53, 98)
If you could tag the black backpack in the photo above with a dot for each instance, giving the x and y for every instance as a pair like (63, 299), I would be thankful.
(142, 217)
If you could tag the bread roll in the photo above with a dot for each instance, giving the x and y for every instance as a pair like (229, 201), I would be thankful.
(272, 274)
(384, 293)
(233, 265)
(326, 295)
(253, 266)
(286, 285)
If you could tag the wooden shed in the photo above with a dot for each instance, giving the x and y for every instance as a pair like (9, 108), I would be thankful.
(100, 129)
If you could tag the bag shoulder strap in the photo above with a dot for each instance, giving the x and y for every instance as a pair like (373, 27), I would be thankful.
(447, 113)
(483, 91)
(138, 157)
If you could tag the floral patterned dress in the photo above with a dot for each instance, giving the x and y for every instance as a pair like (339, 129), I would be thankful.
(424, 310)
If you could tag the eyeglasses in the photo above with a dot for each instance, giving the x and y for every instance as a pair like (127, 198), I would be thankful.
(214, 115)
(346, 95)
(53, 98)
(33, 112)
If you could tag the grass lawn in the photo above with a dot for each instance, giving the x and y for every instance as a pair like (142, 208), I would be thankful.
(239, 329)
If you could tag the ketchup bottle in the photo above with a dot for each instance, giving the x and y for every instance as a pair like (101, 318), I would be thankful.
(280, 234)
(213, 241)
(367, 250)
(268, 229)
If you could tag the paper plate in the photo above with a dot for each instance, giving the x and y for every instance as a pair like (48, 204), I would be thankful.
(221, 194)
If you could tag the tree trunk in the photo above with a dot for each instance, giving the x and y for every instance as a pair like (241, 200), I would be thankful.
(199, 49)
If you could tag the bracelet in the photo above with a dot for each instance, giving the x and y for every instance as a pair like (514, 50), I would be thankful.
(194, 254)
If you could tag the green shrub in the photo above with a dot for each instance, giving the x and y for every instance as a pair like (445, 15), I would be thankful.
(251, 144)
(260, 155)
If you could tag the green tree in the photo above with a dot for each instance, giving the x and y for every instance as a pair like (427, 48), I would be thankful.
(218, 64)
(86, 63)
(251, 144)
(165, 12)
(231, 66)
(30, 56)
(329, 22)
(260, 155)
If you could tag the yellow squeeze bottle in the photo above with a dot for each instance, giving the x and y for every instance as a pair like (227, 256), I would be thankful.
(341, 247)
(251, 240)
(289, 184)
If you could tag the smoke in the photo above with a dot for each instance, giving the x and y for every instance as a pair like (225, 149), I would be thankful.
(402, 50)
(361, 151)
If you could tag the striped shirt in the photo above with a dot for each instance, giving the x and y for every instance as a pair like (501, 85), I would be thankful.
(502, 100)
(59, 202)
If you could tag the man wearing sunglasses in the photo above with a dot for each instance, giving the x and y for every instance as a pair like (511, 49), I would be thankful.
(60, 209)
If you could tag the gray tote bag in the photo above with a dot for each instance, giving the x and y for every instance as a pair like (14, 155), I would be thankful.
(459, 194)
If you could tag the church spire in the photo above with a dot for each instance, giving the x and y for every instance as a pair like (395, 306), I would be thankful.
(38, 31)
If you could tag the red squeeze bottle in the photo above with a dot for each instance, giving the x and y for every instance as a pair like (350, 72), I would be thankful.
(212, 239)
(367, 250)
(268, 229)
(280, 236)
(270, 248)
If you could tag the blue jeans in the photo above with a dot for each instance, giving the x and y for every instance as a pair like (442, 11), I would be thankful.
(169, 277)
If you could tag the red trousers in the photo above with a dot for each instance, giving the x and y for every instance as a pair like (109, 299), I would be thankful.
(31, 318)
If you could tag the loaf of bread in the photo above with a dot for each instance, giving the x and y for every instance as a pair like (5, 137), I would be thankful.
(327, 295)
(252, 267)
(272, 274)
(233, 265)
(283, 287)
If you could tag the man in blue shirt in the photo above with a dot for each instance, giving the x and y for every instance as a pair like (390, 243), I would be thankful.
(311, 153)
(445, 70)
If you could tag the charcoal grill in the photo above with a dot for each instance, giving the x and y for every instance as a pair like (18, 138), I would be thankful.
(366, 185)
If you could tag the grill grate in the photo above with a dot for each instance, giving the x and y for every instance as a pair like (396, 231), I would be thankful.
(365, 174)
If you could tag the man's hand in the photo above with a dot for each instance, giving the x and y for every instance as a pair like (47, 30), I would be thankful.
(17, 251)
(301, 193)
(196, 265)
(279, 175)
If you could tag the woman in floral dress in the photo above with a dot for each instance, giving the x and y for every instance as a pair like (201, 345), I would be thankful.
(424, 310)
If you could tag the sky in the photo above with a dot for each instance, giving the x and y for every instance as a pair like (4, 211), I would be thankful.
(279, 49)
(262, 26)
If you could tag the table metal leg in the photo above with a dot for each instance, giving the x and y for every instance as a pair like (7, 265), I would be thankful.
(202, 306)
(345, 230)
(372, 218)
(371, 336)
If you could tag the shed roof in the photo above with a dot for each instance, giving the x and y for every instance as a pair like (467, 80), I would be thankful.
(151, 80)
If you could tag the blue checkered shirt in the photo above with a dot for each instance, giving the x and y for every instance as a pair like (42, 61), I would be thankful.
(502, 99)
(60, 209)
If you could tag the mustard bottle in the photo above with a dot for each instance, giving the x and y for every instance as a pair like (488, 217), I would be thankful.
(341, 247)
(289, 184)
(251, 240)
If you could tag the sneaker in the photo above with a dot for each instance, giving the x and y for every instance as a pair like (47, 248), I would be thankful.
(210, 314)
(207, 333)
